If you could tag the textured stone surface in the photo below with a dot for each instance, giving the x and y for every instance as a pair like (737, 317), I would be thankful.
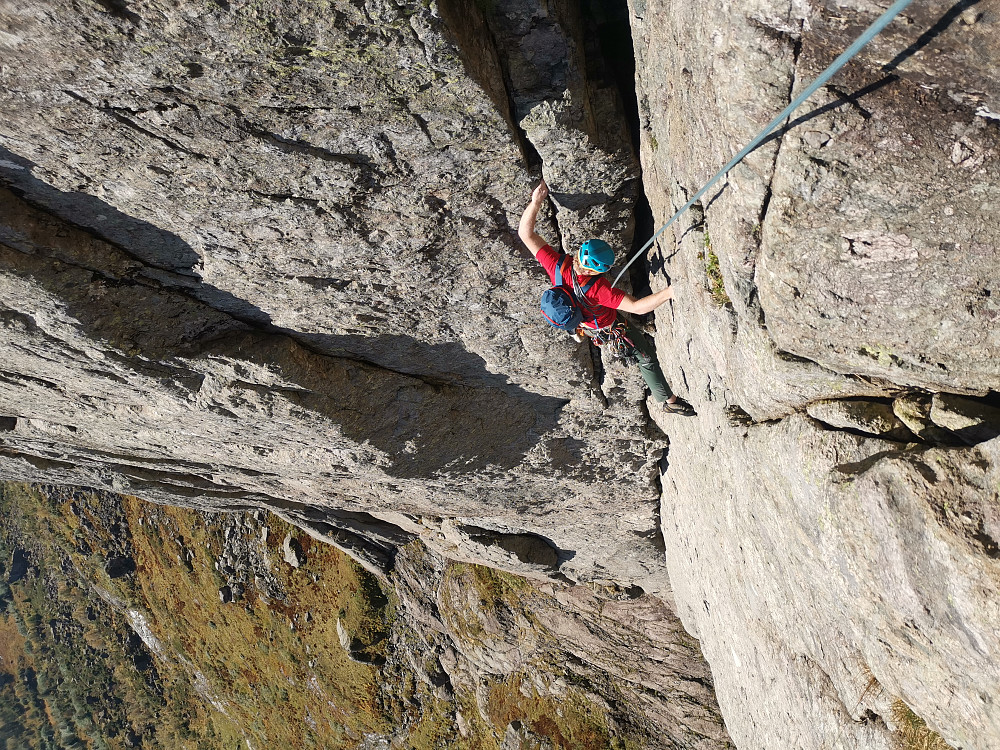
(842, 556)
(859, 254)
(296, 280)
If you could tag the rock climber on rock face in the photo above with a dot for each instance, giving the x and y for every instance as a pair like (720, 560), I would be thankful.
(600, 301)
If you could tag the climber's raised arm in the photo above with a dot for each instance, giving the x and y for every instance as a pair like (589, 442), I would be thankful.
(526, 229)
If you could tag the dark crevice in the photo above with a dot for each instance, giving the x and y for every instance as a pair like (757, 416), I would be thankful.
(609, 25)
(645, 226)
(659, 542)
(855, 468)
(862, 434)
(609, 22)
(485, 64)
(610, 33)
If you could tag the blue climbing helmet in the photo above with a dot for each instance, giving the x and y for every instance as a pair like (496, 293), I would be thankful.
(596, 255)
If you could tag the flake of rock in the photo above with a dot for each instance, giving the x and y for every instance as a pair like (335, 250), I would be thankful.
(225, 594)
(914, 411)
(972, 421)
(872, 417)
(507, 549)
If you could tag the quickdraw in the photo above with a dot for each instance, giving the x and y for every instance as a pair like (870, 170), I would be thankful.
(615, 340)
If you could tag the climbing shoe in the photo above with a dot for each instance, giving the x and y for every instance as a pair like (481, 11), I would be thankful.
(679, 407)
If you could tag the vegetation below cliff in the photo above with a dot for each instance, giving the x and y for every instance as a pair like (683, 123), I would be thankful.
(128, 624)
(268, 667)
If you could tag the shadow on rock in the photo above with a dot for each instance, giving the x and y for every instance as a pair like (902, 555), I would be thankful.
(441, 363)
(455, 422)
(167, 257)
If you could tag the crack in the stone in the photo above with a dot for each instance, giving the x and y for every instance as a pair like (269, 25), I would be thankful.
(118, 114)
(769, 190)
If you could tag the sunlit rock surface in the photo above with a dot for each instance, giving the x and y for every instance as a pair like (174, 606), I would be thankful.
(831, 541)
(255, 254)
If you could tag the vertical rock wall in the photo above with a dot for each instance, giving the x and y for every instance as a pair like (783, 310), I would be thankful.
(830, 543)
(260, 254)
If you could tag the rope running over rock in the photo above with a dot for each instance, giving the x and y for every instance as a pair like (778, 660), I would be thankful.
(870, 33)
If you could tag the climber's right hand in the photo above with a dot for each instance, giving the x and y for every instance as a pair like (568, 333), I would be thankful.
(540, 193)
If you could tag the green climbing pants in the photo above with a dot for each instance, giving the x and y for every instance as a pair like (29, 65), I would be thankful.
(649, 367)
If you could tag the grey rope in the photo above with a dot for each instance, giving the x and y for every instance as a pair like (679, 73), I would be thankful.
(870, 33)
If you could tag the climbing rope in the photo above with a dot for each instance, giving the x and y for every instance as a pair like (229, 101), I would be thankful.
(870, 33)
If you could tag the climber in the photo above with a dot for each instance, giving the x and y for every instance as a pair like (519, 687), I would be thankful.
(600, 300)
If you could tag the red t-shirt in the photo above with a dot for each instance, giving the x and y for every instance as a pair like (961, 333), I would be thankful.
(604, 297)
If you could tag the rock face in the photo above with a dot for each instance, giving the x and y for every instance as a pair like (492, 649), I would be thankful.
(832, 564)
(255, 254)
(273, 253)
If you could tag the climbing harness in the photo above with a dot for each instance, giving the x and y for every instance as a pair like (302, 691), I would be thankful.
(615, 340)
(870, 33)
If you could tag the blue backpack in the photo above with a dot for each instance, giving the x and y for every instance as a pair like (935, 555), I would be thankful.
(559, 305)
